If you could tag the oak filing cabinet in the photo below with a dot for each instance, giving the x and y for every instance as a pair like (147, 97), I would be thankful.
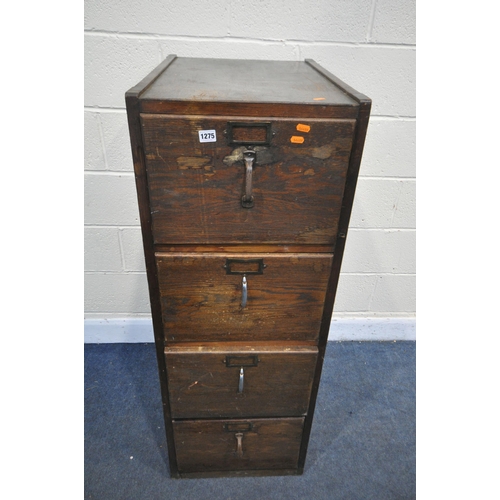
(245, 174)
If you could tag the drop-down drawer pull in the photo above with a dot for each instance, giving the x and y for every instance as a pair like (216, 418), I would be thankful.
(242, 379)
(244, 291)
(239, 444)
(241, 362)
(247, 199)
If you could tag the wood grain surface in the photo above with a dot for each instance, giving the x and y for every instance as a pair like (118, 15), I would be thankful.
(308, 150)
(201, 302)
(211, 445)
(196, 188)
(202, 385)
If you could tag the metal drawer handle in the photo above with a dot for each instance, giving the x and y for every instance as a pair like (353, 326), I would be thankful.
(242, 380)
(247, 199)
(244, 291)
(239, 444)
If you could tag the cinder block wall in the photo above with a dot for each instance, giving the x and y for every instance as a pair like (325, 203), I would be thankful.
(370, 44)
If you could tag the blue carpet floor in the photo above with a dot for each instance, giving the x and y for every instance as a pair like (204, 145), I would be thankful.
(362, 442)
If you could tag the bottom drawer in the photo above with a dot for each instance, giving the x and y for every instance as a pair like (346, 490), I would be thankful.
(222, 445)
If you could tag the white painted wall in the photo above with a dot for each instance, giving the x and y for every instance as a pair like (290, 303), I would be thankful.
(370, 44)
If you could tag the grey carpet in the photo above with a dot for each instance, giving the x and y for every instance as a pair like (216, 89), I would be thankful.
(362, 443)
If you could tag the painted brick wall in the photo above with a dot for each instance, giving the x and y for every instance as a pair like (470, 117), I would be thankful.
(370, 44)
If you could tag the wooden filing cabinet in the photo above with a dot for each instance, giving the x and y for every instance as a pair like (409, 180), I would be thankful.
(245, 174)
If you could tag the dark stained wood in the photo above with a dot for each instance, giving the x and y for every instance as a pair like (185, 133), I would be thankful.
(247, 88)
(201, 302)
(138, 90)
(358, 97)
(347, 203)
(189, 201)
(201, 385)
(250, 248)
(239, 345)
(297, 188)
(267, 444)
(235, 80)
(132, 104)
(241, 473)
(246, 109)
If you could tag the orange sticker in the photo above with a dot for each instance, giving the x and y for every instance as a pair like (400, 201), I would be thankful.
(303, 128)
(319, 99)
(296, 139)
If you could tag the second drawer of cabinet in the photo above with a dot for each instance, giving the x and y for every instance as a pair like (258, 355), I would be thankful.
(220, 297)
(239, 381)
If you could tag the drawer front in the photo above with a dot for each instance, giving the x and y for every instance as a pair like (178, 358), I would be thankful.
(232, 382)
(219, 297)
(295, 180)
(255, 444)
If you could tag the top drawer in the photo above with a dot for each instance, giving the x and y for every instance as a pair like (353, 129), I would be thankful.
(269, 180)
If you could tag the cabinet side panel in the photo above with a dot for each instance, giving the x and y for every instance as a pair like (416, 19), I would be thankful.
(132, 104)
(347, 202)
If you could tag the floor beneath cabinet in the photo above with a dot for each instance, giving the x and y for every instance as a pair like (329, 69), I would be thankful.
(362, 443)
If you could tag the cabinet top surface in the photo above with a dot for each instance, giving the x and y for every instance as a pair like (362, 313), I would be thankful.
(232, 80)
